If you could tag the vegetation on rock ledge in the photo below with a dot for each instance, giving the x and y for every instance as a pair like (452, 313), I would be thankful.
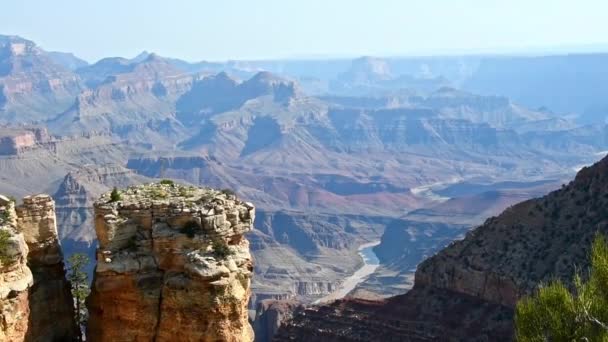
(115, 195)
(5, 258)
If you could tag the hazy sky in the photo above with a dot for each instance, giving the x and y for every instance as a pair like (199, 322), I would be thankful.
(254, 29)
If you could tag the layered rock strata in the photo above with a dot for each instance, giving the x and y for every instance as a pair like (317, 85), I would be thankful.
(35, 299)
(15, 276)
(173, 265)
(51, 305)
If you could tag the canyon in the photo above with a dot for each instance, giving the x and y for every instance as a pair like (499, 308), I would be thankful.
(469, 289)
(335, 154)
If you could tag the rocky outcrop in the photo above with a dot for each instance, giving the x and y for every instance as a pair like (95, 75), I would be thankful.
(270, 315)
(173, 265)
(15, 276)
(16, 140)
(51, 305)
(35, 299)
(419, 316)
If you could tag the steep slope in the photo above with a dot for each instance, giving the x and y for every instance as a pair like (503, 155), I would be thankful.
(32, 86)
(67, 60)
(504, 259)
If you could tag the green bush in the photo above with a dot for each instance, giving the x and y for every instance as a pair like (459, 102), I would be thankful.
(115, 195)
(167, 182)
(4, 237)
(221, 249)
(556, 314)
(158, 194)
(5, 216)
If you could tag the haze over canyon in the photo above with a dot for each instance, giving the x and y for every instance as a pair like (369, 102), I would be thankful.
(341, 186)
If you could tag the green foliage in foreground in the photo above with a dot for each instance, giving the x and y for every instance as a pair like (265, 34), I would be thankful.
(115, 195)
(5, 258)
(556, 314)
(80, 287)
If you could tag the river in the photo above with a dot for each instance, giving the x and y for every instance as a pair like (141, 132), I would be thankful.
(370, 263)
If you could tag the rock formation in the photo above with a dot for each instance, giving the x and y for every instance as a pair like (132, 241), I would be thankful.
(15, 140)
(173, 265)
(270, 315)
(35, 299)
(51, 306)
(32, 85)
(15, 277)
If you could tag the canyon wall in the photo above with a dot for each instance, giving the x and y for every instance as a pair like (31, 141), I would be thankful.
(173, 265)
(51, 306)
(35, 299)
(15, 277)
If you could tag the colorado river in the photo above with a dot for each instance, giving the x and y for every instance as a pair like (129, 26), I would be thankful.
(370, 263)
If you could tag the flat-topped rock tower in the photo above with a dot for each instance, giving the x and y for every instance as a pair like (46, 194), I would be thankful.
(172, 265)
(35, 299)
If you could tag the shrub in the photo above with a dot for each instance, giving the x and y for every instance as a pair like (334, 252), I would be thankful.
(167, 182)
(115, 195)
(555, 313)
(221, 249)
(184, 192)
(5, 216)
(4, 237)
(158, 194)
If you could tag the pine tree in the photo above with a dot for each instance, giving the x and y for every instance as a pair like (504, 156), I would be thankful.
(115, 195)
(80, 288)
(556, 314)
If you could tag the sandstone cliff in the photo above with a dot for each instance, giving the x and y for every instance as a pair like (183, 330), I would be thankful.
(51, 306)
(35, 299)
(15, 277)
(173, 265)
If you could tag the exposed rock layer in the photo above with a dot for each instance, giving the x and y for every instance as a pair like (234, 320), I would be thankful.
(35, 299)
(15, 277)
(173, 265)
(51, 306)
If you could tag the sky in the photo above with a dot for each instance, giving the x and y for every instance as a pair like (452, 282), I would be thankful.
(271, 29)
